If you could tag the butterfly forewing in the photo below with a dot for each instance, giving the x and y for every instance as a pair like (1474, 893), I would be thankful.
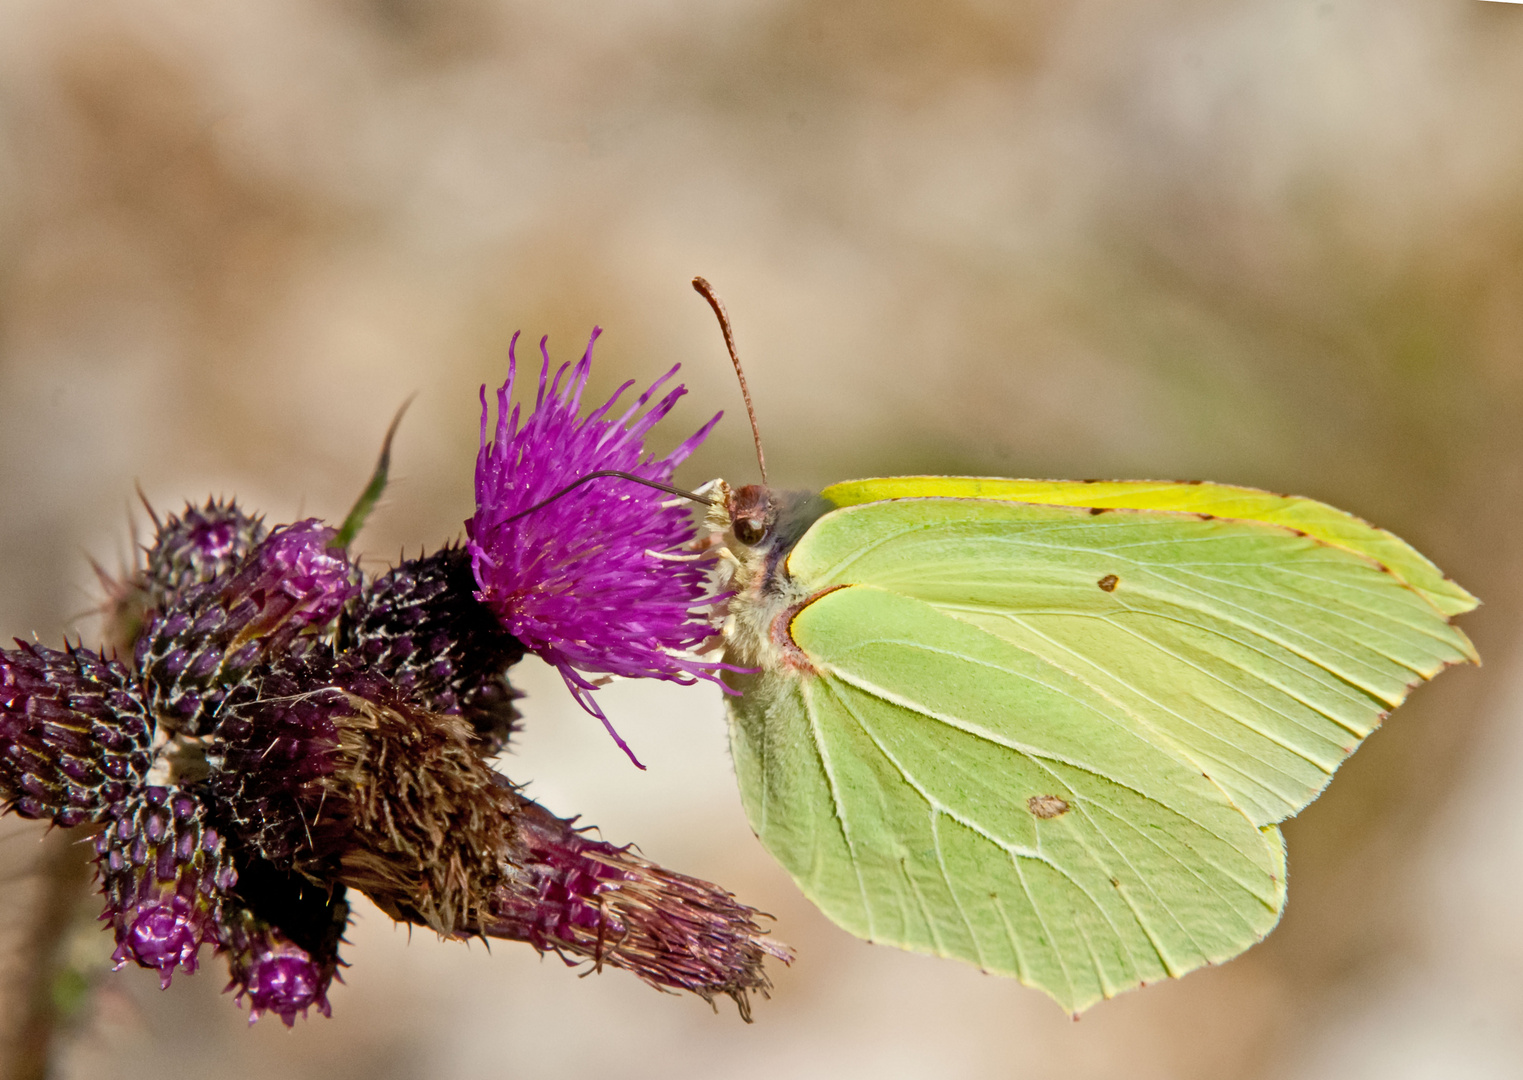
(1262, 654)
(1316, 519)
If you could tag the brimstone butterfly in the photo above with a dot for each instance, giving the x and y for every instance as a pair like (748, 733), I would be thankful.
(1050, 728)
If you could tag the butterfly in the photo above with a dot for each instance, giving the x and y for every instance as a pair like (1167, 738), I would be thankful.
(1051, 728)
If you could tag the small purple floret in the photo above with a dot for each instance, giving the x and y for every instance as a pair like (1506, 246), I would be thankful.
(213, 539)
(301, 562)
(600, 581)
(285, 983)
(162, 937)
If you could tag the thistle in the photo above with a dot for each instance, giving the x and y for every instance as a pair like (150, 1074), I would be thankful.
(75, 734)
(598, 580)
(586, 899)
(290, 728)
(196, 546)
(193, 547)
(281, 934)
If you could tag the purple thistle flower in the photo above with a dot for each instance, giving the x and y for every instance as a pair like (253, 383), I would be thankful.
(599, 581)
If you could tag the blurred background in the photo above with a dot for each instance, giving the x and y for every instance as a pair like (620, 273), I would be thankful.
(1272, 244)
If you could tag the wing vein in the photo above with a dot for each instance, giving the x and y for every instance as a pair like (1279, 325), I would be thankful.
(835, 801)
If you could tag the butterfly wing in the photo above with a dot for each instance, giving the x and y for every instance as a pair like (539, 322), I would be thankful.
(1259, 652)
(934, 786)
(1323, 522)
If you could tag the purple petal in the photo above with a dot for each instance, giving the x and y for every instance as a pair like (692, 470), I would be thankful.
(589, 582)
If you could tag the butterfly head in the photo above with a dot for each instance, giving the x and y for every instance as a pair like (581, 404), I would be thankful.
(755, 528)
(758, 526)
(751, 514)
(740, 519)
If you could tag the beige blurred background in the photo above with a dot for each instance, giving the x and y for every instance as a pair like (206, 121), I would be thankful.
(1278, 244)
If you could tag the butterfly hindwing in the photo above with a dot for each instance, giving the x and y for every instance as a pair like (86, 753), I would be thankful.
(933, 786)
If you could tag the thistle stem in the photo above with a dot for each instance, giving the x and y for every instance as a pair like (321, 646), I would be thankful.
(63, 869)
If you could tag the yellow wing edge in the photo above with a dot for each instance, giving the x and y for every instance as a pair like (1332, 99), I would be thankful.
(1317, 520)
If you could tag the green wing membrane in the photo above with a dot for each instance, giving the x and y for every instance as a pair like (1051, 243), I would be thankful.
(1262, 654)
(1316, 519)
(1049, 728)
(939, 788)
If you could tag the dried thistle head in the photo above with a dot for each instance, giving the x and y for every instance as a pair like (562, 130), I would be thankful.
(434, 836)
(588, 900)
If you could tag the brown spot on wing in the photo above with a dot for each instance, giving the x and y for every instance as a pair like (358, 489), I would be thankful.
(1046, 806)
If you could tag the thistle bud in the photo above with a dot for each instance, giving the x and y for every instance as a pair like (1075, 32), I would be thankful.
(165, 872)
(187, 550)
(75, 736)
(196, 547)
(194, 651)
(281, 935)
(421, 627)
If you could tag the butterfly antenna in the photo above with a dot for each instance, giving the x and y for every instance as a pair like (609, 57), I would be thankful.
(707, 292)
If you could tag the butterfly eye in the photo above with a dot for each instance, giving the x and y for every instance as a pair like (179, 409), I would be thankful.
(749, 531)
